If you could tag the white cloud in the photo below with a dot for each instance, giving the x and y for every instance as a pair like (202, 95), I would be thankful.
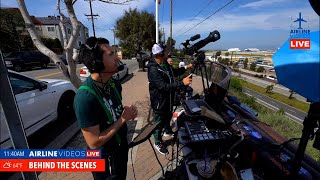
(261, 3)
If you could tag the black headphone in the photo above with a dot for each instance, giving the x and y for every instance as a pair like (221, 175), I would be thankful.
(92, 56)
(163, 47)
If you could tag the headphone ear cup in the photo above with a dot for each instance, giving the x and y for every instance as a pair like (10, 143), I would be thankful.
(97, 63)
(97, 66)
(162, 52)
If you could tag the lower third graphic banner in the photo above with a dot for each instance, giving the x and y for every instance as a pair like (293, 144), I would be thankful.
(52, 165)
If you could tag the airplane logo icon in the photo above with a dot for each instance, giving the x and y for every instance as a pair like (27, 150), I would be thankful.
(300, 20)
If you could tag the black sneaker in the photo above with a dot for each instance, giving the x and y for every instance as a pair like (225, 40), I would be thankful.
(161, 148)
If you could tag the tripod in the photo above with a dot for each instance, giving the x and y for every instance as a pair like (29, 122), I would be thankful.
(310, 122)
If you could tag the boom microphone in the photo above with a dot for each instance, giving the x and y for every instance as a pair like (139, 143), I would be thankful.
(121, 67)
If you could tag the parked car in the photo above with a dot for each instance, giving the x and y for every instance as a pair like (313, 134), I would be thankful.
(272, 78)
(84, 72)
(40, 101)
(22, 59)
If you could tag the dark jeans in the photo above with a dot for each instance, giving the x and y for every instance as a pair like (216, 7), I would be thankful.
(164, 119)
(115, 164)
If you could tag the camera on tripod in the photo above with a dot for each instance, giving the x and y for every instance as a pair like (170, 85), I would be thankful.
(193, 50)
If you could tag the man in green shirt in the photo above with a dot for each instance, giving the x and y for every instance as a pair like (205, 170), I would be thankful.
(99, 110)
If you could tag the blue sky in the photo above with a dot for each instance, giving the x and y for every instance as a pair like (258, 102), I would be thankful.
(263, 24)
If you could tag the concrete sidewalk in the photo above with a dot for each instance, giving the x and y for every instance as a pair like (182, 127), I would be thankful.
(135, 91)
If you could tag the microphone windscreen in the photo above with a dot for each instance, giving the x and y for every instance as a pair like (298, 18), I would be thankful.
(121, 67)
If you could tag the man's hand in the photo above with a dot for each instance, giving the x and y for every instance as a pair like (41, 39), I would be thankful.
(187, 80)
(129, 113)
(189, 66)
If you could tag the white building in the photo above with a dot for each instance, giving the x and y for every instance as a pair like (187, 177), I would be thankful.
(252, 50)
(48, 27)
(234, 50)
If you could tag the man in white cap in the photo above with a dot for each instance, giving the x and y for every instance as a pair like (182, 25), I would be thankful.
(162, 88)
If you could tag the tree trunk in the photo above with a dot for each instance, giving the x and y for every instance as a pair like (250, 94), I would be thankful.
(71, 75)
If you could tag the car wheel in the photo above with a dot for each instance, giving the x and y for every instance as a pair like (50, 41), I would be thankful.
(127, 72)
(65, 106)
(17, 68)
(44, 65)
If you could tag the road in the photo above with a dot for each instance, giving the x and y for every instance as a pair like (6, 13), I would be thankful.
(52, 72)
(276, 88)
(273, 104)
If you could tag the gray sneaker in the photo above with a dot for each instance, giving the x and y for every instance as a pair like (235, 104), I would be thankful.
(167, 136)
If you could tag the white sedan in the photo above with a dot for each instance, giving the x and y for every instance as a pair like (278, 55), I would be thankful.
(40, 101)
(84, 72)
(272, 78)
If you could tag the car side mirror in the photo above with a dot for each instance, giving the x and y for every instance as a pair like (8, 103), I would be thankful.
(42, 86)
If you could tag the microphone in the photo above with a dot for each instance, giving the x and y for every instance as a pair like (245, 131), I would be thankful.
(119, 68)
(195, 37)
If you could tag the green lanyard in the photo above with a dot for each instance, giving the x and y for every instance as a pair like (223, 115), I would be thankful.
(110, 118)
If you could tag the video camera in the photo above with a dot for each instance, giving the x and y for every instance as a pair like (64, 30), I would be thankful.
(190, 50)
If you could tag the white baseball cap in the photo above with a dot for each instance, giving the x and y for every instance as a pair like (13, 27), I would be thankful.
(156, 49)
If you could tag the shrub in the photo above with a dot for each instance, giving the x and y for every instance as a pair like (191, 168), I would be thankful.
(260, 69)
(236, 84)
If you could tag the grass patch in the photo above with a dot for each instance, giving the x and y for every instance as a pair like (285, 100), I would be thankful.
(278, 121)
(291, 102)
(289, 129)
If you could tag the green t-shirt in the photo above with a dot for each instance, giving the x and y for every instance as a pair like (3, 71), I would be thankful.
(89, 111)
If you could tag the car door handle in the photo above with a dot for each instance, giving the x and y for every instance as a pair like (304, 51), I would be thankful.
(53, 91)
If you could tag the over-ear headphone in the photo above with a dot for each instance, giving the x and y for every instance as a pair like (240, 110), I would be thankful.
(91, 55)
(163, 47)
(97, 62)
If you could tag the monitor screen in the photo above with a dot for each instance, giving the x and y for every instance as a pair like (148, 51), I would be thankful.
(220, 79)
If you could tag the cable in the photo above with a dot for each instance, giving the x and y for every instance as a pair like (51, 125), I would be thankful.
(194, 16)
(207, 17)
(134, 174)
(156, 157)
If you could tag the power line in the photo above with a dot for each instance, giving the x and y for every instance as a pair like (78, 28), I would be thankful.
(195, 15)
(207, 17)
(92, 17)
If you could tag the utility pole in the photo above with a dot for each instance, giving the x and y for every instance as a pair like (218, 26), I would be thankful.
(157, 20)
(92, 17)
(164, 36)
(114, 40)
(170, 23)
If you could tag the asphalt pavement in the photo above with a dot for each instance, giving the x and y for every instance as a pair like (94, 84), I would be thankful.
(273, 104)
(276, 88)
